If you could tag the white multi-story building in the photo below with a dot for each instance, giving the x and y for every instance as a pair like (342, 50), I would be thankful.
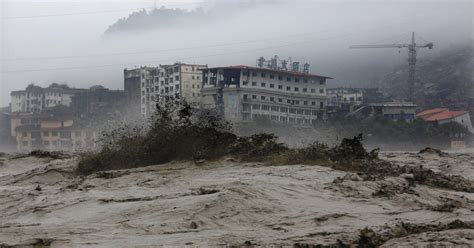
(339, 96)
(35, 98)
(244, 93)
(144, 85)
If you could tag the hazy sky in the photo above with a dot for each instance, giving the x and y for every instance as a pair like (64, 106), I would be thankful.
(62, 41)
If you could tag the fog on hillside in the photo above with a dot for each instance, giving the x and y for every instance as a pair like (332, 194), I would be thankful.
(61, 41)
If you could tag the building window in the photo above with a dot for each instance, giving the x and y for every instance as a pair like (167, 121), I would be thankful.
(254, 83)
(280, 78)
(313, 103)
(246, 107)
(46, 133)
(283, 109)
(321, 104)
(280, 87)
(297, 89)
(262, 97)
(280, 100)
(254, 74)
(305, 90)
(265, 107)
(263, 75)
(256, 106)
(297, 102)
(321, 82)
(244, 73)
(288, 88)
(192, 77)
(305, 80)
(297, 80)
(263, 84)
(272, 76)
(254, 97)
(272, 86)
(313, 90)
(54, 133)
(245, 97)
(288, 79)
(321, 91)
(305, 103)
(245, 83)
(272, 99)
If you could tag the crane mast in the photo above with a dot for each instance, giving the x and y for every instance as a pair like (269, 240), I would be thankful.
(412, 46)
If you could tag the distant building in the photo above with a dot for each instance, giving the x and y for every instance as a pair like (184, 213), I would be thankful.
(395, 111)
(98, 101)
(346, 99)
(444, 115)
(34, 98)
(342, 95)
(134, 81)
(5, 137)
(243, 93)
(50, 130)
(144, 85)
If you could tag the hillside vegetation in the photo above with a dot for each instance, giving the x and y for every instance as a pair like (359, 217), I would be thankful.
(443, 80)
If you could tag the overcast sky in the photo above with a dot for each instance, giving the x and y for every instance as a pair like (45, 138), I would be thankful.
(62, 41)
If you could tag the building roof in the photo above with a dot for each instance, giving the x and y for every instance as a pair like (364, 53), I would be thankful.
(431, 112)
(440, 114)
(17, 92)
(291, 73)
(394, 104)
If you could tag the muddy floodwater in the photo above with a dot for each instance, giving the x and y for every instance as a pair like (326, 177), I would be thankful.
(225, 203)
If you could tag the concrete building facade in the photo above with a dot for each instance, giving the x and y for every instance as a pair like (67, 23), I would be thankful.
(145, 85)
(34, 99)
(244, 93)
(50, 131)
(340, 96)
(98, 102)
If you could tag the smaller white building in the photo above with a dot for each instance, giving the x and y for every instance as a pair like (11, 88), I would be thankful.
(35, 99)
(341, 96)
